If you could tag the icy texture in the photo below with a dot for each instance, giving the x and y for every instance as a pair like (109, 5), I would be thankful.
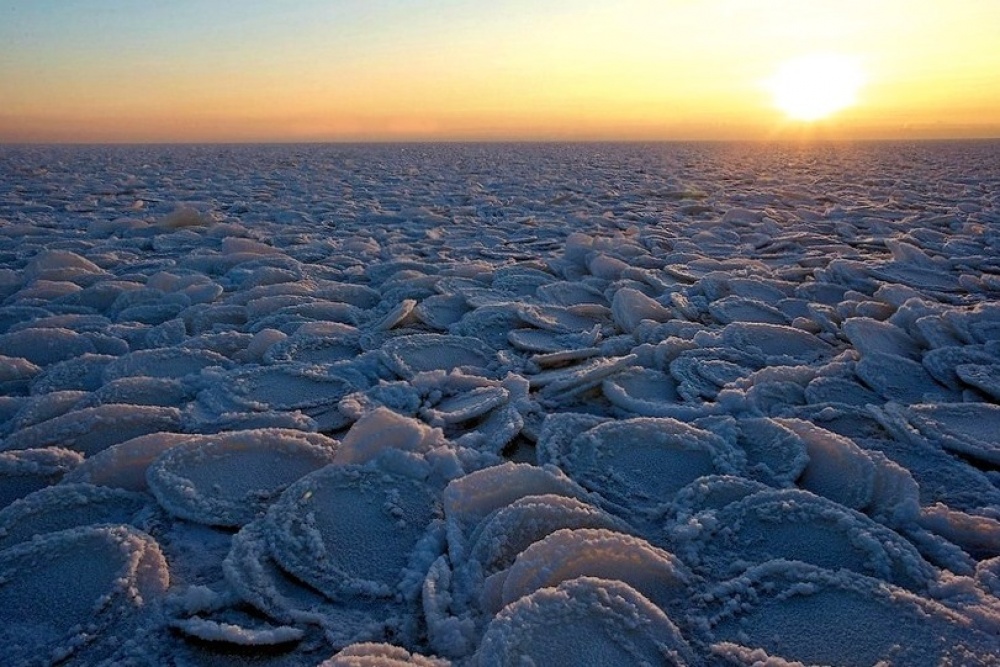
(511, 529)
(349, 531)
(570, 404)
(214, 631)
(584, 621)
(638, 464)
(381, 655)
(26, 470)
(230, 478)
(781, 606)
(91, 430)
(77, 593)
(64, 506)
(795, 525)
(125, 465)
(570, 553)
(470, 499)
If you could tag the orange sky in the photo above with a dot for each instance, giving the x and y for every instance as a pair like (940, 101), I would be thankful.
(255, 70)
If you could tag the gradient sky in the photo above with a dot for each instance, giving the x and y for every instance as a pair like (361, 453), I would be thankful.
(264, 70)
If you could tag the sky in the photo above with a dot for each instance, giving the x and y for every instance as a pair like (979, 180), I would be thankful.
(387, 70)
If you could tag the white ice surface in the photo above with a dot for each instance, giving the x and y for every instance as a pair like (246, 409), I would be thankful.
(579, 404)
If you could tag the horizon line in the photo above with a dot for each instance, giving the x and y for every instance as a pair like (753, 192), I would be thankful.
(512, 140)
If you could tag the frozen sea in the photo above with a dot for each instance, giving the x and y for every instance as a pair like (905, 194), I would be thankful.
(500, 404)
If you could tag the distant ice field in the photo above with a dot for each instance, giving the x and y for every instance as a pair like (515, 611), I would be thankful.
(500, 404)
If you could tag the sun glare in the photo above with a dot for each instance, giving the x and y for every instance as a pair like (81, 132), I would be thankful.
(814, 87)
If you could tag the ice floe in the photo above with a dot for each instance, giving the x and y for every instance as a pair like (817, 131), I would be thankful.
(348, 530)
(230, 478)
(26, 470)
(79, 594)
(619, 626)
(492, 404)
(63, 506)
(778, 607)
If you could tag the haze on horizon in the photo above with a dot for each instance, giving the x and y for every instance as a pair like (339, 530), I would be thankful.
(358, 70)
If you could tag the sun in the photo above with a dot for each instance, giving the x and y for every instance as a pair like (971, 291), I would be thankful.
(816, 86)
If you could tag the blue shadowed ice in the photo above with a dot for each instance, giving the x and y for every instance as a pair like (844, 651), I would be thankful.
(492, 404)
